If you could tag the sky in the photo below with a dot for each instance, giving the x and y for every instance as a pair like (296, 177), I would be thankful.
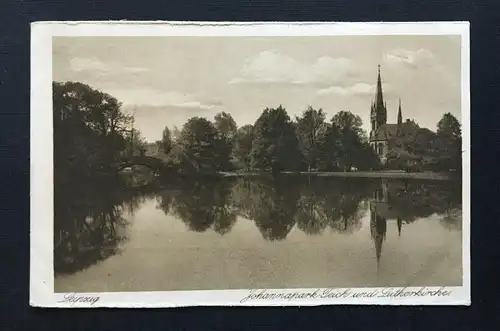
(166, 80)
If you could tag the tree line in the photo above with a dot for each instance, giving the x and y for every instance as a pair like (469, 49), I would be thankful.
(91, 132)
(309, 142)
(274, 143)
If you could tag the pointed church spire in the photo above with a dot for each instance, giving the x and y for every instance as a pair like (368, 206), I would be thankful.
(379, 98)
(379, 113)
(400, 115)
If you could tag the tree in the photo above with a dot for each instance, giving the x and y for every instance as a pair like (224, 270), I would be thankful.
(243, 144)
(198, 141)
(274, 145)
(449, 126)
(166, 140)
(449, 133)
(136, 143)
(90, 131)
(176, 133)
(347, 121)
(226, 132)
(330, 149)
(422, 143)
(366, 158)
(311, 129)
(352, 138)
(225, 125)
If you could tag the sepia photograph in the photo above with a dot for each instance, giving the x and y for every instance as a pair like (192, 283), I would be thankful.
(298, 168)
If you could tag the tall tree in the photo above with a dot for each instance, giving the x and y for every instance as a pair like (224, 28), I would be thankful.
(198, 141)
(166, 140)
(351, 138)
(90, 130)
(330, 149)
(449, 133)
(311, 129)
(225, 125)
(347, 121)
(449, 126)
(274, 145)
(226, 132)
(243, 144)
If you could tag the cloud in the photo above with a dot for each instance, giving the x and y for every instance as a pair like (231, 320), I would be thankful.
(273, 67)
(408, 57)
(356, 89)
(93, 64)
(154, 97)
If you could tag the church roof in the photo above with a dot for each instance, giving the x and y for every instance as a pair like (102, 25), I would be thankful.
(390, 131)
(386, 132)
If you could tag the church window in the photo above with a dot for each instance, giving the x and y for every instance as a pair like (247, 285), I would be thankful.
(380, 148)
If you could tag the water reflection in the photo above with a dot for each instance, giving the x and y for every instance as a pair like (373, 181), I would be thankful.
(91, 226)
(200, 205)
(89, 223)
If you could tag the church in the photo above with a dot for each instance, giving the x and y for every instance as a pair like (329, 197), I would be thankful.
(384, 137)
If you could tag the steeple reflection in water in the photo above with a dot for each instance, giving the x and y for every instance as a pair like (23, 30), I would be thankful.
(285, 207)
(404, 202)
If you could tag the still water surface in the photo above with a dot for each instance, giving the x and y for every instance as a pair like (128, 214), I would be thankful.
(261, 233)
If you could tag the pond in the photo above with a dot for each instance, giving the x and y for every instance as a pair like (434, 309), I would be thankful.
(286, 232)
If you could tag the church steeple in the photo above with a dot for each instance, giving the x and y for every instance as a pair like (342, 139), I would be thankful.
(400, 115)
(379, 110)
(379, 96)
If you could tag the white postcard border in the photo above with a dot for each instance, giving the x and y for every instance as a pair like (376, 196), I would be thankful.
(41, 170)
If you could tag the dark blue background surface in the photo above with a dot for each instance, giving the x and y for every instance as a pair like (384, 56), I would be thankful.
(15, 313)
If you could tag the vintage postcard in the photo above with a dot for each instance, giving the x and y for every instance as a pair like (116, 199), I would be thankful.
(249, 164)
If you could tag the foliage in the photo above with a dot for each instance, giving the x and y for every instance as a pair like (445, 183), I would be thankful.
(90, 131)
(449, 126)
(366, 158)
(226, 133)
(274, 145)
(166, 140)
(347, 122)
(311, 129)
(353, 149)
(135, 143)
(198, 141)
(425, 150)
(450, 133)
(225, 125)
(243, 144)
(330, 149)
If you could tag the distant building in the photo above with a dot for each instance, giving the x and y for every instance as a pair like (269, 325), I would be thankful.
(384, 136)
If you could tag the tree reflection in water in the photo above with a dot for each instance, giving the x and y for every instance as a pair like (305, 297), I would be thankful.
(337, 205)
(200, 205)
(89, 223)
(274, 209)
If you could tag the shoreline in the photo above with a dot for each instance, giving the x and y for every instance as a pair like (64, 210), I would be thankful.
(356, 174)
